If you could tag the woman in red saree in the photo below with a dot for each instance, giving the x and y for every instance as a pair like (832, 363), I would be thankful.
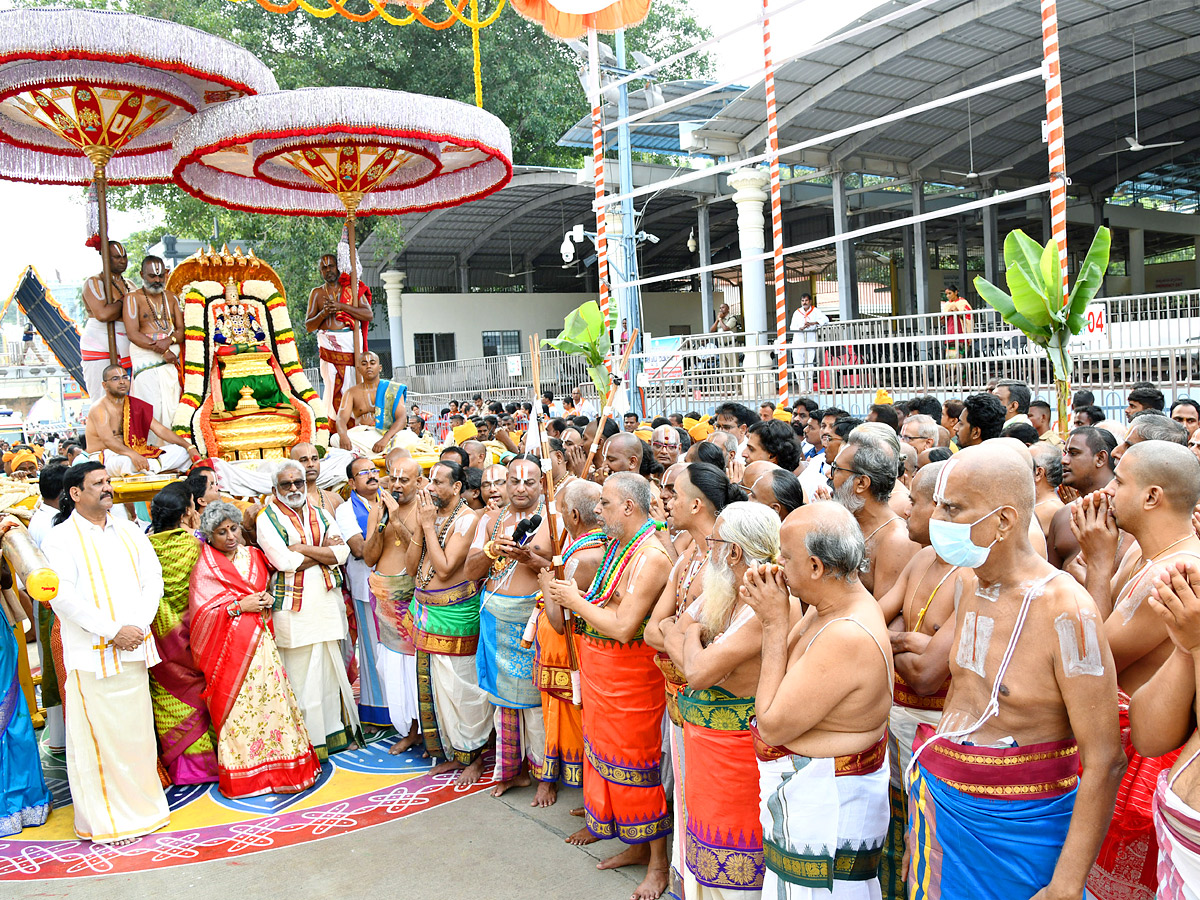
(262, 744)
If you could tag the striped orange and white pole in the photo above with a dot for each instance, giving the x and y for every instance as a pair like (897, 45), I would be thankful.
(597, 98)
(776, 209)
(1055, 140)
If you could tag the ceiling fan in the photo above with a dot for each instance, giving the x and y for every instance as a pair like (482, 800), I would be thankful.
(971, 149)
(1135, 145)
(511, 273)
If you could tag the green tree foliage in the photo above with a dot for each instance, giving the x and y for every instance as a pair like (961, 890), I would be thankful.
(530, 81)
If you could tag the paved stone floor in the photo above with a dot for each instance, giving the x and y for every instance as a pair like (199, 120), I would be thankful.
(476, 846)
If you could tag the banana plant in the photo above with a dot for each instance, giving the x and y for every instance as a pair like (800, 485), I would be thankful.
(1035, 304)
(585, 333)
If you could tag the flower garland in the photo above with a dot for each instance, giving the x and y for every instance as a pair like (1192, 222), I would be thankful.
(613, 567)
(197, 296)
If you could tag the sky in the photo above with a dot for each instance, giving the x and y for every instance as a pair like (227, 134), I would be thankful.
(44, 225)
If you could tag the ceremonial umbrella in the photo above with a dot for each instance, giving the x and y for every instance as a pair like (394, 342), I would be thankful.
(569, 19)
(342, 151)
(88, 95)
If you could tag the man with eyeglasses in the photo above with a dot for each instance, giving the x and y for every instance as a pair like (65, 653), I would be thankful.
(920, 432)
(120, 428)
(664, 445)
(306, 549)
(353, 519)
(492, 487)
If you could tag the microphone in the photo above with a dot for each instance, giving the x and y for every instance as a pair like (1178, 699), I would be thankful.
(383, 519)
(534, 523)
(521, 532)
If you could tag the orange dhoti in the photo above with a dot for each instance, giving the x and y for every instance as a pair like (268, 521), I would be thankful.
(623, 707)
(563, 720)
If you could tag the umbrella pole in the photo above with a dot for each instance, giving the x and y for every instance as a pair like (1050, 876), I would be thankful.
(351, 199)
(100, 157)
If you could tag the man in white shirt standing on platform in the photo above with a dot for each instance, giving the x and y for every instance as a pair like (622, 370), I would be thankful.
(305, 547)
(110, 585)
(805, 322)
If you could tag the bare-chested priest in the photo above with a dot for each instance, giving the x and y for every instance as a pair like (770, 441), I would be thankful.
(509, 597)
(335, 317)
(1151, 497)
(93, 341)
(119, 429)
(822, 705)
(1012, 796)
(623, 691)
(386, 548)
(154, 323)
(376, 405)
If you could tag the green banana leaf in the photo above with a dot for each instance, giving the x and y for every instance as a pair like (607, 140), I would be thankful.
(1091, 273)
(1002, 303)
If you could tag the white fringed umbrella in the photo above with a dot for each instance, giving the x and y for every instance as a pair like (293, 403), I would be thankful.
(96, 96)
(343, 151)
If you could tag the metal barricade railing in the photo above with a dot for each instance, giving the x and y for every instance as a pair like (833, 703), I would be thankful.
(490, 375)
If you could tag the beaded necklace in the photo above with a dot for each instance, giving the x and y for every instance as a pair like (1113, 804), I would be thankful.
(684, 586)
(613, 567)
(441, 539)
(587, 541)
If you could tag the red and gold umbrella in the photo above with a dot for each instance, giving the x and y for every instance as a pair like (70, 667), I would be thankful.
(342, 151)
(91, 96)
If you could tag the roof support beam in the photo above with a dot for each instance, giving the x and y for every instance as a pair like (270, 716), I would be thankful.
(1036, 100)
(995, 66)
(1131, 163)
(881, 55)
(521, 211)
(1106, 187)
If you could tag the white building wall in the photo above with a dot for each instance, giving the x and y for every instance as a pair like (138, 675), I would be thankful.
(469, 315)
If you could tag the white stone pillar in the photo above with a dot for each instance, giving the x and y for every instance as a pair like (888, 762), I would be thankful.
(393, 287)
(750, 194)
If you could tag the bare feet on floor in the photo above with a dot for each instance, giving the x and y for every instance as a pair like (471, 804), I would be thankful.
(578, 812)
(520, 780)
(652, 886)
(633, 855)
(470, 774)
(405, 743)
(124, 842)
(547, 794)
(450, 765)
(581, 838)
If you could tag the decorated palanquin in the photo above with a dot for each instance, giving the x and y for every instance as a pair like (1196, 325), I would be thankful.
(245, 394)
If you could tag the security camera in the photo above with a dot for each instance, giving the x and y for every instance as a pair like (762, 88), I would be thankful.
(576, 233)
(652, 238)
(691, 241)
(567, 249)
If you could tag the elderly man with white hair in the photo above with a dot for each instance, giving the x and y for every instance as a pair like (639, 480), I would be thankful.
(863, 477)
(305, 547)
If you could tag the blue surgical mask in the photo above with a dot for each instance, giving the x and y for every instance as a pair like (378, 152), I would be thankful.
(952, 542)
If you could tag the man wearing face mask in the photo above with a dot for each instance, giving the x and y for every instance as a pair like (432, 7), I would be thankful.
(717, 644)
(154, 323)
(305, 548)
(919, 607)
(1012, 795)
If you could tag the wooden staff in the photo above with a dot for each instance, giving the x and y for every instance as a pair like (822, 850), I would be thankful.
(535, 361)
(622, 366)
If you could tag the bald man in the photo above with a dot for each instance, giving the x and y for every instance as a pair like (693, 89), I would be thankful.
(375, 405)
(774, 487)
(307, 456)
(821, 703)
(1011, 798)
(477, 454)
(920, 610)
(664, 445)
(623, 453)
(509, 597)
(384, 548)
(1153, 492)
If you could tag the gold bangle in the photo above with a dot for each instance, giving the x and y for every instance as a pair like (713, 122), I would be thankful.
(488, 550)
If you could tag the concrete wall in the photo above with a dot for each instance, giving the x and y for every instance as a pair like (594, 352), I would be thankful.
(469, 315)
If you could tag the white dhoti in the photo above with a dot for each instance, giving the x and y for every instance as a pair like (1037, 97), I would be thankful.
(336, 352)
(363, 439)
(903, 722)
(464, 712)
(93, 347)
(317, 675)
(172, 459)
(55, 735)
(823, 833)
(112, 755)
(398, 673)
(156, 382)
(520, 736)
